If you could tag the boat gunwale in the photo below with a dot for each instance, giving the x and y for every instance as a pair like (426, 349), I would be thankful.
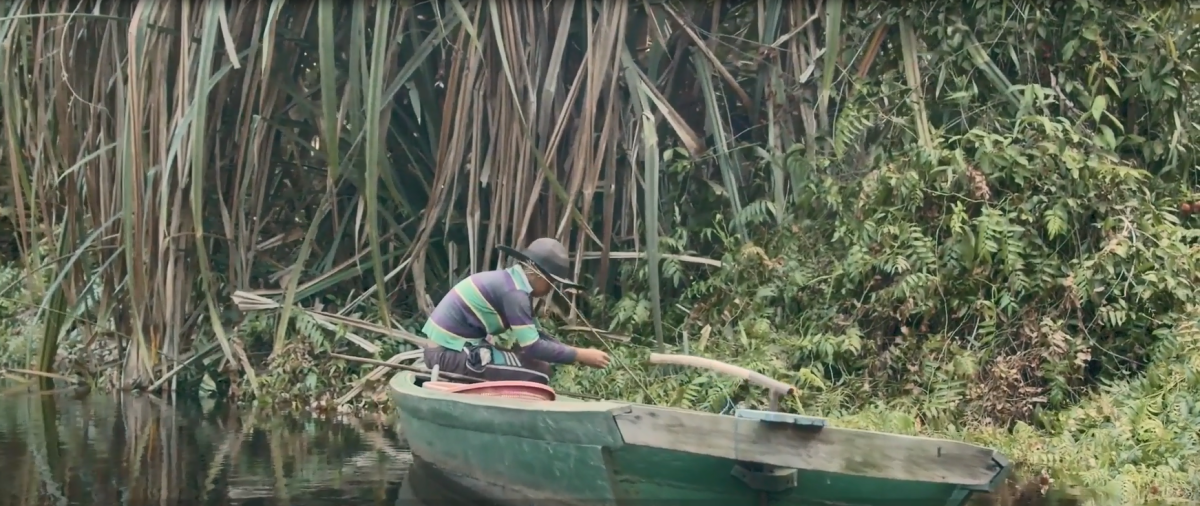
(613, 407)
(402, 383)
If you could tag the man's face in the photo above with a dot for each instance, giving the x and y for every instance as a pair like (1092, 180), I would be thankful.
(540, 286)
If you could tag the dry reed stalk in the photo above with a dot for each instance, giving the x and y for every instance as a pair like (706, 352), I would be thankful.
(160, 144)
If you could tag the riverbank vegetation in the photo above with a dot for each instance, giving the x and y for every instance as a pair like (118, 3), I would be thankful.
(973, 220)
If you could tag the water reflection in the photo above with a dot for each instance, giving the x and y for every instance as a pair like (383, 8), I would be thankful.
(426, 486)
(56, 450)
(59, 451)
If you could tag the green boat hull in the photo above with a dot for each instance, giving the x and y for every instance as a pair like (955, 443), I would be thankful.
(573, 452)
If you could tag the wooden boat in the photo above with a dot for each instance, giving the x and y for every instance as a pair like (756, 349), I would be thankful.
(570, 451)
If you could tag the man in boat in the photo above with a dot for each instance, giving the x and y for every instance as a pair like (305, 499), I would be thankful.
(474, 325)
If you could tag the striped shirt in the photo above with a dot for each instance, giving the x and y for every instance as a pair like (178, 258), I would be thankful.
(495, 303)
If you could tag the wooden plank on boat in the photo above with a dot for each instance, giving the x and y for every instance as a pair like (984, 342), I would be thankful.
(832, 450)
(777, 417)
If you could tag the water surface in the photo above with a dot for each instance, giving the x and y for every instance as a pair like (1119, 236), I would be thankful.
(57, 450)
(137, 450)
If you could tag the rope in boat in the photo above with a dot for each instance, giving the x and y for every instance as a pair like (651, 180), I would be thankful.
(729, 408)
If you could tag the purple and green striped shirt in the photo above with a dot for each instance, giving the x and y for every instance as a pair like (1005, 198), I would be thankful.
(495, 303)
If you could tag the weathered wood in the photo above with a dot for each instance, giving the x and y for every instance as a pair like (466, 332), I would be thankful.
(841, 451)
(401, 334)
(249, 301)
(776, 386)
(377, 374)
(402, 367)
(41, 374)
(540, 452)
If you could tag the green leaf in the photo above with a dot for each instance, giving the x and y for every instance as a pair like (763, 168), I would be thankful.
(1110, 141)
(1112, 85)
(1069, 49)
(1098, 105)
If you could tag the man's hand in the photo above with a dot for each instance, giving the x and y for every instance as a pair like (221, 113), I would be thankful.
(591, 357)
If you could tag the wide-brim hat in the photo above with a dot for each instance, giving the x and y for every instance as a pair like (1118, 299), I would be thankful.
(549, 257)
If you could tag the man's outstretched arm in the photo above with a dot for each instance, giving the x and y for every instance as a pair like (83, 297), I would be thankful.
(536, 343)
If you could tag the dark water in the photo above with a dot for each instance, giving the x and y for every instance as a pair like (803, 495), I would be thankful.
(128, 450)
(134, 451)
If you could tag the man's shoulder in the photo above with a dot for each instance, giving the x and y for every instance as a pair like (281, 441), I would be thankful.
(497, 281)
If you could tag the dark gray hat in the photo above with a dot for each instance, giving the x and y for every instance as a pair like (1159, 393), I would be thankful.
(550, 257)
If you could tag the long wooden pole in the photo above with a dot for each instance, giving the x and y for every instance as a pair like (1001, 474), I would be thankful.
(774, 386)
(422, 370)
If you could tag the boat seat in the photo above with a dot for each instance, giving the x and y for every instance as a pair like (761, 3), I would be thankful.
(524, 390)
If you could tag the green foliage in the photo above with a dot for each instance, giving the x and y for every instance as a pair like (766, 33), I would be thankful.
(17, 341)
(1027, 275)
(976, 229)
(302, 376)
(20, 331)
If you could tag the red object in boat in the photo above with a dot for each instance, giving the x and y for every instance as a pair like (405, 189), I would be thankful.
(524, 390)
